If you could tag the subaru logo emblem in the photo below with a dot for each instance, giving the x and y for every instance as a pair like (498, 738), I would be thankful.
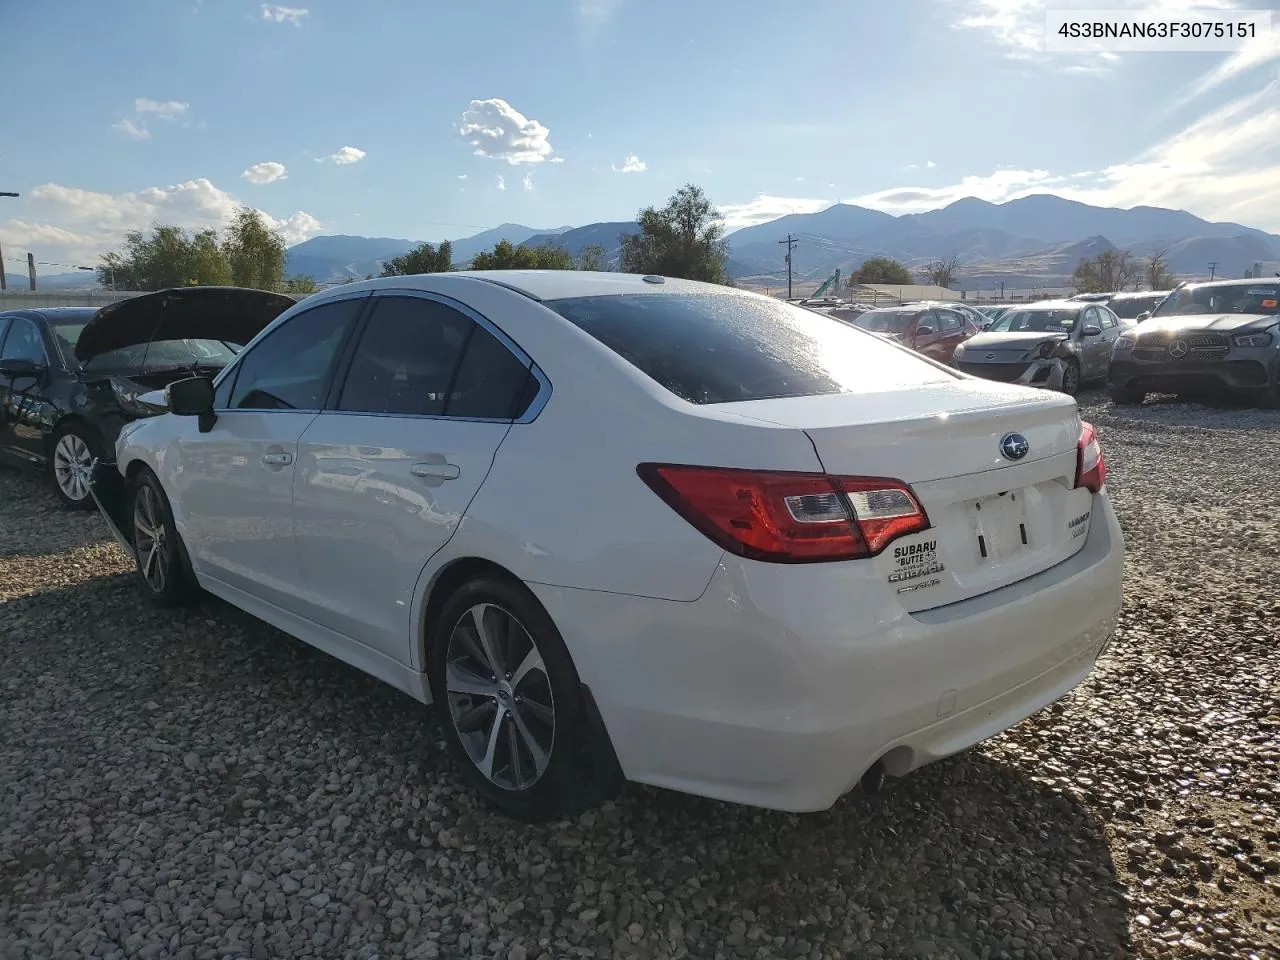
(991, 356)
(1178, 349)
(1014, 446)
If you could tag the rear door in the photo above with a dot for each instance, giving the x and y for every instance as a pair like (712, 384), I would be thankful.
(951, 332)
(387, 472)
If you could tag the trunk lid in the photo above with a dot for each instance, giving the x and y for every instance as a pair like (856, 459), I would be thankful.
(993, 520)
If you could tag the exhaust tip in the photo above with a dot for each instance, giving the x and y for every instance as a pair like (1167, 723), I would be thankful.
(873, 779)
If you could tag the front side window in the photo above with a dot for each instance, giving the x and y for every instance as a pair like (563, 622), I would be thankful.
(23, 342)
(726, 347)
(291, 367)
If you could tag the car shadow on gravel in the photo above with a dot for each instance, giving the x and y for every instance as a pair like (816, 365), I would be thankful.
(35, 521)
(208, 715)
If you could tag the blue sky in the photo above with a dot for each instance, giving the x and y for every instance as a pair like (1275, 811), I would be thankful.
(430, 120)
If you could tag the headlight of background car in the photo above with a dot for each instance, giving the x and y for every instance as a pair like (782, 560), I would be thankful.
(130, 399)
(959, 350)
(1253, 339)
(1123, 343)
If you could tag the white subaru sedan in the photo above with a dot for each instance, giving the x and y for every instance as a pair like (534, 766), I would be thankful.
(622, 527)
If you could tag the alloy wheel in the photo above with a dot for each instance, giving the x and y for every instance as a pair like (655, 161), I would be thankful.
(72, 466)
(150, 541)
(1070, 379)
(499, 697)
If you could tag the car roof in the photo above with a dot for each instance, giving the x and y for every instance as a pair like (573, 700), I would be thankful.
(1135, 294)
(1053, 305)
(544, 284)
(53, 314)
(1247, 281)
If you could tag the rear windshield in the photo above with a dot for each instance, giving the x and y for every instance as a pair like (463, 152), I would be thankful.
(719, 348)
(886, 321)
(1235, 298)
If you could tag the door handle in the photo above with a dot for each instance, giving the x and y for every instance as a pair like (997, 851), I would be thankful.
(277, 459)
(435, 471)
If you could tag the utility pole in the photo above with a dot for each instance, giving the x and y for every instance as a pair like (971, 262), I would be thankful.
(4, 283)
(1213, 266)
(31, 269)
(790, 242)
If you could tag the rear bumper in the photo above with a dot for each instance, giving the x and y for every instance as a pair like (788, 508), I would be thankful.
(109, 492)
(782, 685)
(1038, 373)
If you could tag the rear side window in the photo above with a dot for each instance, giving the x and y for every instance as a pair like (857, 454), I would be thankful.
(419, 357)
(720, 348)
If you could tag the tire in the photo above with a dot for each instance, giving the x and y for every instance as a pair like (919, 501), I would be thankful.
(1126, 396)
(71, 455)
(1071, 378)
(160, 557)
(518, 728)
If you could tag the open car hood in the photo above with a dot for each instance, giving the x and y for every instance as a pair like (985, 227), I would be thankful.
(232, 314)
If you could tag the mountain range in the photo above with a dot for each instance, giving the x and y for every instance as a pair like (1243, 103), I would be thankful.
(1033, 241)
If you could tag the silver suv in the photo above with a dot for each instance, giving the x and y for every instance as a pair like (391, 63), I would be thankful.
(1218, 337)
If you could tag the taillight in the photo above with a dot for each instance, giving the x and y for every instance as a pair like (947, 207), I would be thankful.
(1091, 468)
(785, 517)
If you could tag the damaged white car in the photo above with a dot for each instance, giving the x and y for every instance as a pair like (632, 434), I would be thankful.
(1056, 344)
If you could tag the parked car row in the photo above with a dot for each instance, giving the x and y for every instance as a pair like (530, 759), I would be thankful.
(71, 377)
(557, 505)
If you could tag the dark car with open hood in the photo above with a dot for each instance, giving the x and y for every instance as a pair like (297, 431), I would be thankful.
(1219, 337)
(71, 377)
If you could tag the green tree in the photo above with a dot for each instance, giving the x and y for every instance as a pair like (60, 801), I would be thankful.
(684, 239)
(507, 256)
(302, 284)
(424, 258)
(881, 270)
(592, 258)
(166, 258)
(255, 251)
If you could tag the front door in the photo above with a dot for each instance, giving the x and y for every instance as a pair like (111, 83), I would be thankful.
(234, 484)
(384, 479)
(25, 416)
(1095, 352)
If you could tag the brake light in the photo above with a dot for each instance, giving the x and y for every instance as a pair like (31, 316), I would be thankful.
(1091, 468)
(785, 517)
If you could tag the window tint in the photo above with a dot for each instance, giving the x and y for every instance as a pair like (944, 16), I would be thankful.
(222, 393)
(718, 348)
(491, 381)
(951, 322)
(4, 325)
(1108, 319)
(291, 367)
(23, 342)
(407, 358)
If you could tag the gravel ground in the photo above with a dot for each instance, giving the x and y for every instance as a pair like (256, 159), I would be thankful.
(195, 784)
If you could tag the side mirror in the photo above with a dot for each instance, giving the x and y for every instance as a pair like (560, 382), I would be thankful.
(924, 331)
(192, 397)
(21, 368)
(1091, 331)
(1144, 315)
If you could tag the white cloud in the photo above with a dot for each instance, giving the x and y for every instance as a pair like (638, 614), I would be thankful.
(343, 157)
(501, 132)
(462, 176)
(72, 225)
(160, 109)
(1254, 53)
(144, 110)
(997, 187)
(1019, 27)
(598, 11)
(765, 207)
(1224, 166)
(133, 129)
(632, 164)
(269, 171)
(278, 14)
(502, 182)
(527, 182)
(930, 164)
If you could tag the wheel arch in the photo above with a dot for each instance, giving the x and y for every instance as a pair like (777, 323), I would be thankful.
(64, 421)
(442, 584)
